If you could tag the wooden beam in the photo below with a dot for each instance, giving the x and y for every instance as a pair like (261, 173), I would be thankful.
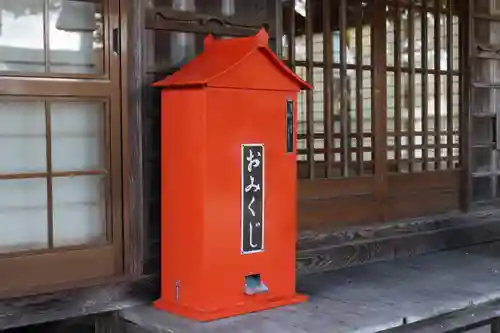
(310, 93)
(39, 309)
(379, 103)
(107, 323)
(132, 23)
(167, 19)
(411, 86)
(425, 89)
(437, 84)
(466, 51)
(495, 326)
(328, 87)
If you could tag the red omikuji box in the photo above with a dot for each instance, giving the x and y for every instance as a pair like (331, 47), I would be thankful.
(229, 181)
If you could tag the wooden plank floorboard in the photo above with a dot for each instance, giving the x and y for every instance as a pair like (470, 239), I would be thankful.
(74, 303)
(363, 299)
(323, 251)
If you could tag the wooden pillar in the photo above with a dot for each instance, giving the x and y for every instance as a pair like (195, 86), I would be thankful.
(106, 323)
(379, 100)
(495, 326)
(132, 31)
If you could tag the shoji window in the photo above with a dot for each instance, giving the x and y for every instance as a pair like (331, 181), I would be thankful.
(60, 143)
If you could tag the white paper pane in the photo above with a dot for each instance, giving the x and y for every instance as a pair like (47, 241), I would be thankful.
(23, 215)
(21, 36)
(22, 137)
(79, 210)
(78, 141)
(76, 37)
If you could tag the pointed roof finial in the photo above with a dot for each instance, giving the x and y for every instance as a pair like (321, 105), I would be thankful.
(209, 40)
(262, 37)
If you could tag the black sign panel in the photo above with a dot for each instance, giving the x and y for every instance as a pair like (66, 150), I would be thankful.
(289, 127)
(252, 198)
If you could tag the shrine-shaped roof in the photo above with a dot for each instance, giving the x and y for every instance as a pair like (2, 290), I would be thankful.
(245, 63)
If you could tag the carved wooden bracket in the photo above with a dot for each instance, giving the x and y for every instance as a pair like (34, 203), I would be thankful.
(488, 50)
(167, 19)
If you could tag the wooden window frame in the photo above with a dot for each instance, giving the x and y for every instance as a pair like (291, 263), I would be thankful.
(480, 51)
(437, 191)
(67, 267)
(106, 73)
(385, 196)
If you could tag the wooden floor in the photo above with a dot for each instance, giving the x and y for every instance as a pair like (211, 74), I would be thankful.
(369, 298)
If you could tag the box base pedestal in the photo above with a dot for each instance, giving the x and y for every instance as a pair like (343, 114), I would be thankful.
(252, 305)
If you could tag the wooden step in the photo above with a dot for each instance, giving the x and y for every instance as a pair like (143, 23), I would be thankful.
(331, 250)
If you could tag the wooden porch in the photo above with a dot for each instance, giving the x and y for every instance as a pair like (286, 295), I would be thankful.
(355, 250)
(451, 291)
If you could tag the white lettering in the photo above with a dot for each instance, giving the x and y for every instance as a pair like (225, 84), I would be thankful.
(250, 206)
(252, 161)
(252, 186)
(253, 246)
